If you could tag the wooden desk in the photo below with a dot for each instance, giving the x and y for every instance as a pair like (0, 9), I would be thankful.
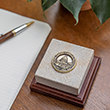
(84, 34)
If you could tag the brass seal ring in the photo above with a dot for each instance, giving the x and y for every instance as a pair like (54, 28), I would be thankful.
(63, 62)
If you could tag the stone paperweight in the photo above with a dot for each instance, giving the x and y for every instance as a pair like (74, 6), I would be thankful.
(66, 72)
(72, 81)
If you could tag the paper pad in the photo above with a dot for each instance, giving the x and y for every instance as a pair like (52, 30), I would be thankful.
(18, 54)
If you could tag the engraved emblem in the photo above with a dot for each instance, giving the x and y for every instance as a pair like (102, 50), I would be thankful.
(64, 62)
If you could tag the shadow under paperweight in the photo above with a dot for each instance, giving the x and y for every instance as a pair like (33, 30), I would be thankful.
(66, 72)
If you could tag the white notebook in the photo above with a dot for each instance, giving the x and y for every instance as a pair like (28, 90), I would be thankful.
(18, 54)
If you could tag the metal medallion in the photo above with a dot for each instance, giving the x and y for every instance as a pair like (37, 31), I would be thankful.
(64, 62)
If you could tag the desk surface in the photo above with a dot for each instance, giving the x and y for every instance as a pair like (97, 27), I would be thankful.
(84, 34)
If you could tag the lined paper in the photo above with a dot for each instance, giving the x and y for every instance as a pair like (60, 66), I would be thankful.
(18, 54)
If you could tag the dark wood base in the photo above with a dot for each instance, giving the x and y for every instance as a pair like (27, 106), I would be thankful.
(78, 100)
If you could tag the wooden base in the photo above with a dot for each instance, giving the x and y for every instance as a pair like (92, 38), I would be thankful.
(78, 100)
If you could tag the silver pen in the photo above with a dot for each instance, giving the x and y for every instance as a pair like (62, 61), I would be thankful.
(14, 32)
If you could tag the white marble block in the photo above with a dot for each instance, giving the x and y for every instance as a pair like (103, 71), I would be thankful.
(72, 81)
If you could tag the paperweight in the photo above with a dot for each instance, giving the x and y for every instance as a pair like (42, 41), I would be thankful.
(71, 81)
(71, 86)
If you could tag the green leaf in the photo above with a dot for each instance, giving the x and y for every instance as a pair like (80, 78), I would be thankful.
(47, 3)
(44, 2)
(73, 6)
(29, 0)
(101, 9)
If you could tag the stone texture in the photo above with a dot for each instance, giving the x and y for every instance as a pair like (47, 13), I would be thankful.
(72, 81)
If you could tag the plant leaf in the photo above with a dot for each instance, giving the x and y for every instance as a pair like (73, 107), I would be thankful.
(29, 0)
(73, 6)
(47, 3)
(44, 2)
(101, 9)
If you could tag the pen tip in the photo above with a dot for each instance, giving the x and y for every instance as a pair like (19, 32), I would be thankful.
(28, 24)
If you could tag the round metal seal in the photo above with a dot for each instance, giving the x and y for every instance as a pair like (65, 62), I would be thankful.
(63, 62)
